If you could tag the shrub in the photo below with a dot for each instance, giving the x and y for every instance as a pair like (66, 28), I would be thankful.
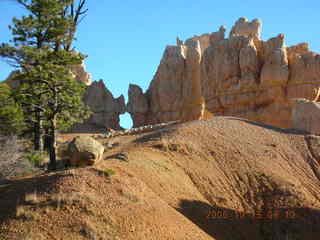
(37, 158)
(108, 172)
(14, 161)
(11, 114)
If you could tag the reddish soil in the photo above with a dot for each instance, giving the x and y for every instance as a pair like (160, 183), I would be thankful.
(223, 178)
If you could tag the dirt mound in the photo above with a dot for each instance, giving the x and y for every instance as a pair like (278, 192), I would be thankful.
(223, 179)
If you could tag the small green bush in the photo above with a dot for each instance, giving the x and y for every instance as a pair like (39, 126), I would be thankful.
(37, 158)
(108, 172)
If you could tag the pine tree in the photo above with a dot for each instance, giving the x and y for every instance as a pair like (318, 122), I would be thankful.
(47, 90)
(11, 114)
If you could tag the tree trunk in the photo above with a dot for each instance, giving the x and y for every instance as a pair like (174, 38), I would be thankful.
(38, 135)
(46, 140)
(53, 146)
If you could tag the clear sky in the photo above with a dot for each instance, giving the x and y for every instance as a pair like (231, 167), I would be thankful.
(125, 39)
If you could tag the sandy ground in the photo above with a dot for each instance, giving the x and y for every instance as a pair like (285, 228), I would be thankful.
(223, 178)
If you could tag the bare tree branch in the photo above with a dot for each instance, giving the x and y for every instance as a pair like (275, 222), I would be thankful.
(77, 14)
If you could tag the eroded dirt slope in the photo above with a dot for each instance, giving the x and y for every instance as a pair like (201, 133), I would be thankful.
(223, 178)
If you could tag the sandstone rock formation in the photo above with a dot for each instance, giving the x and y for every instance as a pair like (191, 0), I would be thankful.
(245, 28)
(175, 92)
(139, 109)
(193, 103)
(240, 76)
(105, 108)
(306, 115)
(84, 150)
(80, 74)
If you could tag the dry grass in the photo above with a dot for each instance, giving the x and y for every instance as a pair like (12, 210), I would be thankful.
(9, 155)
(17, 158)
(12, 161)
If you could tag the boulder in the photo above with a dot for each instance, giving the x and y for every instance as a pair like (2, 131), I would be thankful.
(84, 151)
(306, 115)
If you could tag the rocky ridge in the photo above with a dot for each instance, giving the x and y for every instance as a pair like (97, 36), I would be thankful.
(241, 75)
(138, 130)
(207, 75)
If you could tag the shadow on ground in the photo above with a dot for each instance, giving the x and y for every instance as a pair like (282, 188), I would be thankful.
(273, 224)
(13, 193)
(270, 127)
(156, 135)
(17, 193)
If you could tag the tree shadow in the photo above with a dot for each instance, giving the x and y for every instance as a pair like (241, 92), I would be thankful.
(155, 135)
(13, 193)
(41, 191)
(268, 224)
(119, 156)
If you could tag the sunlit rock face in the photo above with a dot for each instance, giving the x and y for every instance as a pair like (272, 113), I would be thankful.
(80, 74)
(305, 115)
(241, 75)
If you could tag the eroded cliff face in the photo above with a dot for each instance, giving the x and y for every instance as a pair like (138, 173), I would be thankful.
(137, 105)
(105, 109)
(175, 92)
(241, 76)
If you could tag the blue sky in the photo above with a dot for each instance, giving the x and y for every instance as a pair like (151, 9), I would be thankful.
(125, 39)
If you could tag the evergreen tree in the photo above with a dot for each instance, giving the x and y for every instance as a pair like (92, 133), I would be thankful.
(11, 114)
(47, 89)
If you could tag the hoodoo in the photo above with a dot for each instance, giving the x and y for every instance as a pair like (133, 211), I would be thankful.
(241, 75)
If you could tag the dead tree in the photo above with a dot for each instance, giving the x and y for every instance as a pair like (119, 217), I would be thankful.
(77, 12)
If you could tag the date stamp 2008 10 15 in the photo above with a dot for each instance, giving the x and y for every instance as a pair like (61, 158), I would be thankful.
(268, 214)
